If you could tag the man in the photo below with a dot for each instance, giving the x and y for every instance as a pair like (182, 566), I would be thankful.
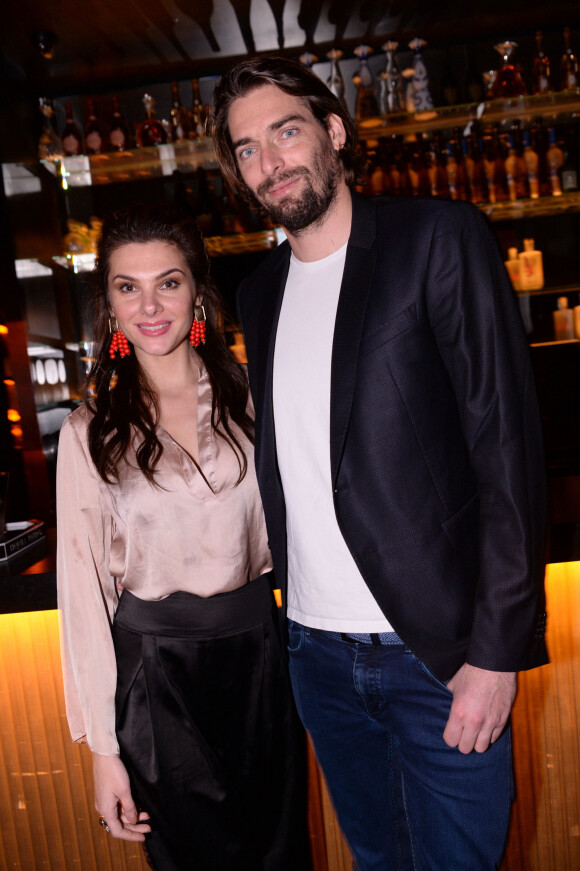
(399, 457)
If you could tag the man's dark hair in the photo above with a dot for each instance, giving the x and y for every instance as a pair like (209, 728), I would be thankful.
(294, 79)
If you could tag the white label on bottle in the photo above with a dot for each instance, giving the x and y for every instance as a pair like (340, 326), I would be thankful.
(569, 180)
(117, 138)
(71, 145)
(94, 141)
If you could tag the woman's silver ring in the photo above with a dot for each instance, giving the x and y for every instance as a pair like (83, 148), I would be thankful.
(103, 823)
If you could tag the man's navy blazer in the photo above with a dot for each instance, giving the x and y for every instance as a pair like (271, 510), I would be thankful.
(435, 440)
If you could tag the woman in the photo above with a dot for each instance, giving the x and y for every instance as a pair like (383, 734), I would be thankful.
(177, 682)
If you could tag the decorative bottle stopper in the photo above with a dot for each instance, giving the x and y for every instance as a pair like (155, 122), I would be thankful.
(335, 80)
(423, 99)
(366, 102)
(308, 59)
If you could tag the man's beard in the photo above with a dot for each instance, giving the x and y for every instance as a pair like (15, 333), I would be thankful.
(311, 205)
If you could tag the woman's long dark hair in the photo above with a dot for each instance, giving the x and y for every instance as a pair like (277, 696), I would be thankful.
(117, 392)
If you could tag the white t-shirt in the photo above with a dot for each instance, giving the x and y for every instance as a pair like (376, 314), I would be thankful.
(325, 587)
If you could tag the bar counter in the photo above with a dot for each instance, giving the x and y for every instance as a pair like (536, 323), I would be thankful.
(46, 806)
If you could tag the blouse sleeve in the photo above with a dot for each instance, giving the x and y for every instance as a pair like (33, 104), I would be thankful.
(87, 594)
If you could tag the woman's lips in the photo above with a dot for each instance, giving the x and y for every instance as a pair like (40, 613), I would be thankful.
(154, 329)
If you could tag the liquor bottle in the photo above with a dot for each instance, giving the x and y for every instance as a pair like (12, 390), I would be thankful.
(513, 266)
(499, 173)
(390, 82)
(150, 131)
(71, 137)
(555, 158)
(511, 169)
(423, 98)
(531, 161)
(570, 166)
(198, 114)
(95, 138)
(366, 102)
(568, 64)
(489, 165)
(384, 159)
(563, 321)
(403, 159)
(495, 153)
(49, 145)
(417, 169)
(178, 116)
(532, 268)
(540, 68)
(376, 175)
(438, 173)
(540, 144)
(456, 172)
(335, 80)
(475, 169)
(119, 135)
(508, 81)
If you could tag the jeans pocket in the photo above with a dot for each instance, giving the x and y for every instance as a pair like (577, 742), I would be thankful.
(431, 677)
(296, 637)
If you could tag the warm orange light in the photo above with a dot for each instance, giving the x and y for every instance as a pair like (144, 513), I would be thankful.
(13, 415)
(278, 597)
(9, 382)
(16, 431)
(3, 330)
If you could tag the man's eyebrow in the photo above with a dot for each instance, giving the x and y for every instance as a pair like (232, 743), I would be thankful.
(276, 125)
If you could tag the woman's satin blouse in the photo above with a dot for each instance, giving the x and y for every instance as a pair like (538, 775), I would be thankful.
(198, 532)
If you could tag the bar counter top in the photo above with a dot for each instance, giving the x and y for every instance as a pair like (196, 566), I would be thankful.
(28, 581)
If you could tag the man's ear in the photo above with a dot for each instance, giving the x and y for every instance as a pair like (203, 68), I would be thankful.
(336, 131)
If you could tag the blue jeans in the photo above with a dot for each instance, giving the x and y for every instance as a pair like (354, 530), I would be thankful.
(404, 799)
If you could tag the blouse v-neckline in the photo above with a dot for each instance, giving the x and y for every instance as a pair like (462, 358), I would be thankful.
(205, 464)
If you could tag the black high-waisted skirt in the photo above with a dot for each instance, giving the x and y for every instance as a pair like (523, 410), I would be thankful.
(208, 731)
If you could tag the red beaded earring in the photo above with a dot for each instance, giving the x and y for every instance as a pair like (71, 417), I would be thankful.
(197, 332)
(119, 343)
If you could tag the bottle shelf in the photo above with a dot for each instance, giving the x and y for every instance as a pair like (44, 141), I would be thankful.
(135, 165)
(528, 108)
(562, 290)
(513, 210)
(217, 246)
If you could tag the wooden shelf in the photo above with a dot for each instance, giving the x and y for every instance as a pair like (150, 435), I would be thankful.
(135, 165)
(547, 106)
(513, 210)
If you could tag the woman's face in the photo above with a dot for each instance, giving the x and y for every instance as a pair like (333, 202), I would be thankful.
(152, 292)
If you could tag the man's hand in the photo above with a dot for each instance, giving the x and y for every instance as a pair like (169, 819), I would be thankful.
(482, 701)
(114, 802)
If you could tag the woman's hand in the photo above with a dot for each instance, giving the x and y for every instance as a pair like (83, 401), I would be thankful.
(114, 802)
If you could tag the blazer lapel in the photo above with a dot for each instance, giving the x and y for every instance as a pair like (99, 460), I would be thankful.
(350, 316)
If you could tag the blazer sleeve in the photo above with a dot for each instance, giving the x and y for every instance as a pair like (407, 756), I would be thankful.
(479, 333)
(87, 594)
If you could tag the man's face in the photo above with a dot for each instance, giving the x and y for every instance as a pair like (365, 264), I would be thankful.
(286, 158)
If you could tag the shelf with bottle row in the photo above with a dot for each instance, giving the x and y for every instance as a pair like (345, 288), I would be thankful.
(135, 165)
(552, 106)
(217, 246)
(514, 210)
(560, 290)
